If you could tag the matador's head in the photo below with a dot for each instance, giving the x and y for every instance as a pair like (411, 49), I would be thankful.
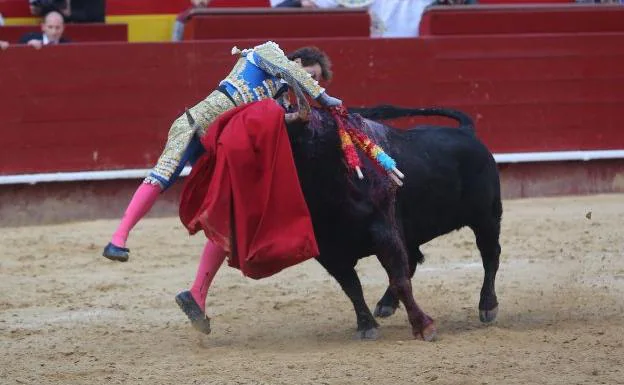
(314, 61)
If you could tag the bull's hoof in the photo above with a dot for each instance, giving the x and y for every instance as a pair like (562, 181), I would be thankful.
(116, 253)
(429, 333)
(198, 318)
(384, 311)
(487, 316)
(367, 335)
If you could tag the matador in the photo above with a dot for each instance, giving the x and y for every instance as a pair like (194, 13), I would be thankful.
(261, 72)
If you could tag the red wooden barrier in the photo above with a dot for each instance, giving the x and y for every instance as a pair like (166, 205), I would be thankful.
(135, 7)
(109, 106)
(522, 18)
(75, 32)
(19, 8)
(277, 23)
(14, 8)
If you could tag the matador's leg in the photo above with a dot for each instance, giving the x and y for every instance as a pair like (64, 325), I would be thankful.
(179, 149)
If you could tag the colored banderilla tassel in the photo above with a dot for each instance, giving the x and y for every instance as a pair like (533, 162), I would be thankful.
(377, 154)
(349, 135)
(353, 161)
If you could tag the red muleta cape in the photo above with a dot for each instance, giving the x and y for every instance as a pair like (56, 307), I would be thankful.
(245, 190)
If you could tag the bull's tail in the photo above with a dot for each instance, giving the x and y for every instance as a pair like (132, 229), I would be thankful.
(388, 111)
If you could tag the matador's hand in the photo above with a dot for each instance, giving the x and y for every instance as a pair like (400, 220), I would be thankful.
(329, 101)
(290, 117)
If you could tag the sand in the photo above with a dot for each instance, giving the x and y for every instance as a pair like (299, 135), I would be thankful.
(69, 316)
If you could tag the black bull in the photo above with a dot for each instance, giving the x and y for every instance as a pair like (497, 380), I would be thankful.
(451, 181)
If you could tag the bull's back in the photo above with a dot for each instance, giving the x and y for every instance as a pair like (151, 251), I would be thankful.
(445, 169)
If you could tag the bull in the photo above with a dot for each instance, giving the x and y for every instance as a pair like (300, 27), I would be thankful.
(451, 181)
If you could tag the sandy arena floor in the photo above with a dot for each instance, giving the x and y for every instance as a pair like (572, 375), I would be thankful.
(69, 316)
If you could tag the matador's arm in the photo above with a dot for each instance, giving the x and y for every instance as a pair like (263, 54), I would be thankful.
(270, 57)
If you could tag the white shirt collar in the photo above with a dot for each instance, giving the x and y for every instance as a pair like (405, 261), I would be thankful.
(47, 41)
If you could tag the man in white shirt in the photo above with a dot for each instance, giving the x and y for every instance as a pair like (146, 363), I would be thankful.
(396, 18)
(389, 18)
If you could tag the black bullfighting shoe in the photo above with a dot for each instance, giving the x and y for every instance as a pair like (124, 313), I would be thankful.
(198, 318)
(116, 253)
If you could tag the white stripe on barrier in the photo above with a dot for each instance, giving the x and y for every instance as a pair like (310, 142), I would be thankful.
(558, 156)
(520, 157)
(79, 176)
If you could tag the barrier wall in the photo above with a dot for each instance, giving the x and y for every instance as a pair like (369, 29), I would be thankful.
(279, 23)
(521, 19)
(19, 8)
(147, 20)
(109, 106)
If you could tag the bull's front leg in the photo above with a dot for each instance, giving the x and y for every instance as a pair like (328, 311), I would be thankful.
(392, 255)
(367, 326)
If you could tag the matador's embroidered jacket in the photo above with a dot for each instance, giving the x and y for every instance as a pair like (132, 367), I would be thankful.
(254, 77)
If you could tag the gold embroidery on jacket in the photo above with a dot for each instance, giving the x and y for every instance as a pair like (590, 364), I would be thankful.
(180, 134)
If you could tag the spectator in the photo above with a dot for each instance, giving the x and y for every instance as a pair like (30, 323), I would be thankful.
(182, 18)
(389, 18)
(43, 7)
(86, 11)
(3, 44)
(396, 18)
(51, 32)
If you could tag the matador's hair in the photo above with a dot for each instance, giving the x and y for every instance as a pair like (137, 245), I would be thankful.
(312, 55)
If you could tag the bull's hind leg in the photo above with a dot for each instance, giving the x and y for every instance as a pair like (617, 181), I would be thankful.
(367, 327)
(487, 236)
(389, 302)
(393, 257)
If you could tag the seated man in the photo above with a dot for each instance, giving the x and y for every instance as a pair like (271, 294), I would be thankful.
(389, 18)
(51, 32)
(255, 76)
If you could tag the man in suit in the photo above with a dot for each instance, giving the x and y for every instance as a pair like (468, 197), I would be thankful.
(51, 32)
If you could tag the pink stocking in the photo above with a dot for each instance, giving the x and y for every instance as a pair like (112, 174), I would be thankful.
(211, 259)
(141, 203)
